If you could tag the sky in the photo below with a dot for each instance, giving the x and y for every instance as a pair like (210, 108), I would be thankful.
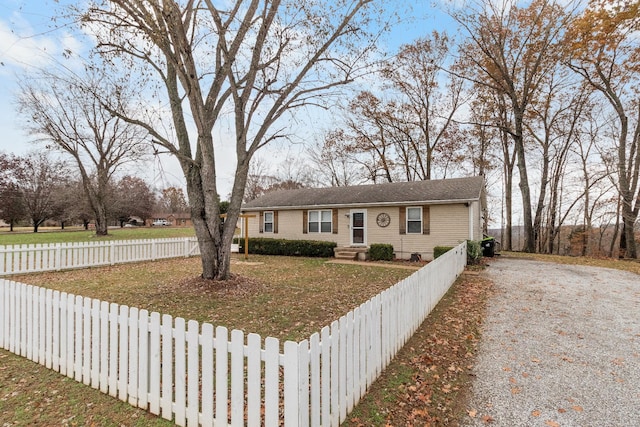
(30, 40)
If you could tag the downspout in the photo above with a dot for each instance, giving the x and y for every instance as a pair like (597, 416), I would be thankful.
(470, 204)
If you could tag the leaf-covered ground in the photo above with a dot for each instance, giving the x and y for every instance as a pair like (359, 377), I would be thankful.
(429, 381)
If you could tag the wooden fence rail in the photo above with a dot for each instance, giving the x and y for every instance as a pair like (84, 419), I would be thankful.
(198, 374)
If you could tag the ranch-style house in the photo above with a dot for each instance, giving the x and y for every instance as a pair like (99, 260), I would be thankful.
(412, 216)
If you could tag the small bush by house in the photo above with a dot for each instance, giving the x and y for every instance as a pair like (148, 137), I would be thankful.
(440, 250)
(474, 252)
(308, 248)
(381, 252)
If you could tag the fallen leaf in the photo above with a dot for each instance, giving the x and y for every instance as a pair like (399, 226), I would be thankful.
(535, 360)
(535, 413)
(516, 390)
(472, 413)
(562, 410)
(512, 380)
(552, 423)
(577, 408)
(506, 369)
(487, 419)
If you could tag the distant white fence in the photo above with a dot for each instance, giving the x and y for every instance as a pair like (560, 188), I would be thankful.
(19, 259)
(198, 375)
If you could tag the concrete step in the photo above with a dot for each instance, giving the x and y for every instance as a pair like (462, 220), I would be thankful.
(348, 253)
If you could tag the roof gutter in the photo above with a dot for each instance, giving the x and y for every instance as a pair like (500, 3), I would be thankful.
(369, 204)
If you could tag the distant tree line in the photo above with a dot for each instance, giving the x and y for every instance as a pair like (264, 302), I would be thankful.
(36, 188)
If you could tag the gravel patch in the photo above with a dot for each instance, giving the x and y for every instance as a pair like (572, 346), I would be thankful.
(560, 347)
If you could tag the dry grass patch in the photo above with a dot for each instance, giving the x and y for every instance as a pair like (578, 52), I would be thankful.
(632, 266)
(282, 297)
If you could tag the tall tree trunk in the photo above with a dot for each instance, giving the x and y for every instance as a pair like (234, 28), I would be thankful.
(101, 220)
(529, 238)
(616, 231)
(537, 221)
(508, 201)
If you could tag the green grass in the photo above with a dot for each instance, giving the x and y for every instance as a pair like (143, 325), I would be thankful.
(283, 297)
(24, 236)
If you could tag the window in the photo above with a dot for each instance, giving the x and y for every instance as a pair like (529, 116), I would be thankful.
(414, 220)
(320, 221)
(268, 222)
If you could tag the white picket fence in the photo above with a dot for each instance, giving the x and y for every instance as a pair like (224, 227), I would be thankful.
(198, 375)
(18, 259)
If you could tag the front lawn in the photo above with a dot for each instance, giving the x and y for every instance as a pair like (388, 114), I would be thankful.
(283, 297)
(27, 236)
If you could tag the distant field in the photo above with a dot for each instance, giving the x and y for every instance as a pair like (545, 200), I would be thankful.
(21, 236)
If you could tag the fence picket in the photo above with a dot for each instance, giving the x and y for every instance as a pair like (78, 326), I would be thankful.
(104, 347)
(55, 332)
(314, 363)
(222, 368)
(237, 378)
(70, 333)
(154, 363)
(143, 359)
(325, 377)
(95, 344)
(253, 379)
(113, 349)
(193, 373)
(123, 354)
(271, 381)
(207, 375)
(166, 401)
(180, 390)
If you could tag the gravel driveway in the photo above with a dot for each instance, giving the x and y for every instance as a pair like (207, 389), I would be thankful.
(561, 347)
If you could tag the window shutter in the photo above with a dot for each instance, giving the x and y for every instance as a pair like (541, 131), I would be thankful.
(261, 223)
(275, 221)
(305, 221)
(334, 224)
(426, 221)
(403, 220)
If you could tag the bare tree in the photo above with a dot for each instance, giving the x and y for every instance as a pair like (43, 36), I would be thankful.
(65, 113)
(40, 179)
(605, 51)
(428, 99)
(173, 200)
(251, 61)
(12, 207)
(511, 50)
(332, 163)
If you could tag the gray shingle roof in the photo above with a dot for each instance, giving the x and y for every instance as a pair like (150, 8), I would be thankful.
(395, 193)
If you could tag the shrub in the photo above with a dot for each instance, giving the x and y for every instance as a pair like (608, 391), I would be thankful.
(474, 251)
(308, 248)
(381, 252)
(440, 250)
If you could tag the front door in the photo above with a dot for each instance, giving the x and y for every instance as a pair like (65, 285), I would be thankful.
(358, 228)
